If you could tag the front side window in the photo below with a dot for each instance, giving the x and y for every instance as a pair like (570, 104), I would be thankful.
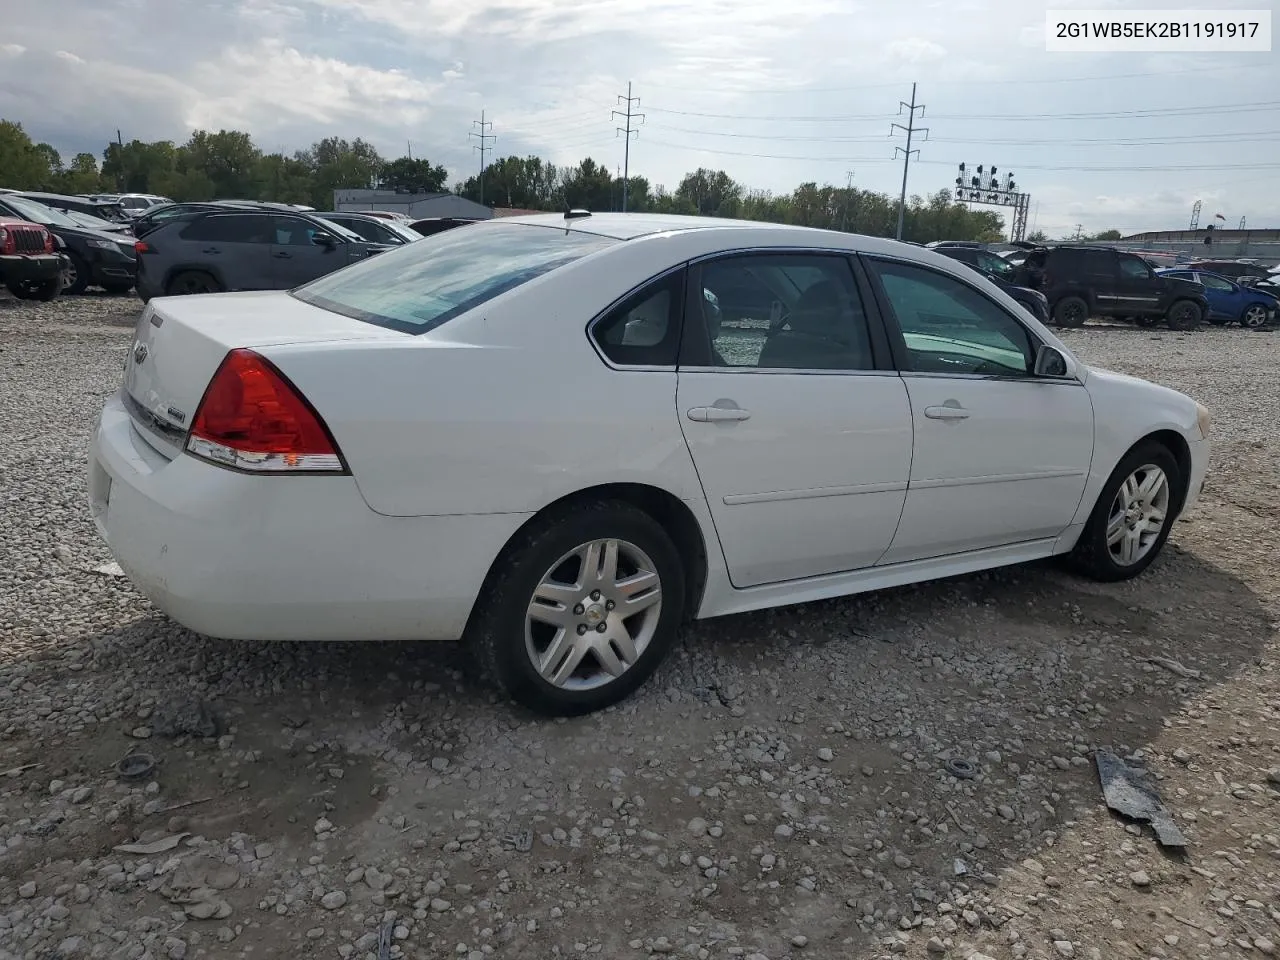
(1215, 283)
(997, 266)
(1132, 268)
(951, 328)
(783, 312)
(419, 286)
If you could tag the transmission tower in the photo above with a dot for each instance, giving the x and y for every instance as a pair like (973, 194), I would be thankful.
(629, 116)
(1195, 216)
(1241, 223)
(485, 137)
(910, 130)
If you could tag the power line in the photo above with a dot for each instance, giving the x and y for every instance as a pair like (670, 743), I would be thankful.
(909, 130)
(1021, 82)
(626, 132)
(1186, 111)
(484, 137)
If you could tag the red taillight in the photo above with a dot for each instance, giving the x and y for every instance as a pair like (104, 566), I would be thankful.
(141, 246)
(252, 418)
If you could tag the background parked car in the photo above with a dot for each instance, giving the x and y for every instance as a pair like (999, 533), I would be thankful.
(98, 209)
(243, 248)
(148, 221)
(135, 204)
(30, 266)
(1082, 282)
(1231, 269)
(1000, 272)
(393, 233)
(433, 225)
(1231, 302)
(93, 256)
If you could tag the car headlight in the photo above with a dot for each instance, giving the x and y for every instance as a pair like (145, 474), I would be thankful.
(104, 244)
(1203, 420)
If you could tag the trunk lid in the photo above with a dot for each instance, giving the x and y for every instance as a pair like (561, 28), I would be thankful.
(180, 341)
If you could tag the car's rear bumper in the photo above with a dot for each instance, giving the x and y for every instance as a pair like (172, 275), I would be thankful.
(281, 558)
(33, 268)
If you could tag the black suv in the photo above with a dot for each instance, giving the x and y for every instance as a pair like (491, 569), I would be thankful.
(1082, 282)
(93, 257)
(242, 248)
(998, 270)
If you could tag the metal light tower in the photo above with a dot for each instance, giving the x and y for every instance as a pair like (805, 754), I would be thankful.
(985, 186)
(1195, 216)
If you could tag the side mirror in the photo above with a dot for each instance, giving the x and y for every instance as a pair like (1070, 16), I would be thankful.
(1053, 364)
(321, 239)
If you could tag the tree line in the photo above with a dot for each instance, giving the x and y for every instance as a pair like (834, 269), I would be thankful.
(228, 165)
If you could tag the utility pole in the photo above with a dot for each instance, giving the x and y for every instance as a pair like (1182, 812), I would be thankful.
(630, 116)
(409, 145)
(1195, 215)
(910, 130)
(848, 189)
(484, 136)
(1241, 227)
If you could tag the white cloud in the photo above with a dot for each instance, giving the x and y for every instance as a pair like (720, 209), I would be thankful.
(722, 83)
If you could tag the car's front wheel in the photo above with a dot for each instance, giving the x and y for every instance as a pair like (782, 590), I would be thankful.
(1071, 312)
(1254, 316)
(1132, 517)
(44, 290)
(581, 610)
(1185, 315)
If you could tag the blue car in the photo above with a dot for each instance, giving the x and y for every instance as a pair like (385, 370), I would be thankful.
(1229, 302)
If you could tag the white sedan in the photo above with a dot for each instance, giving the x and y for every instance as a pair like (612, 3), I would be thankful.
(558, 438)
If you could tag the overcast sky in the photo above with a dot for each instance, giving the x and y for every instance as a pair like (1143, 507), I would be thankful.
(1129, 141)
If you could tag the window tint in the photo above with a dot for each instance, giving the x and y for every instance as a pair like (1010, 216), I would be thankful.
(1214, 283)
(781, 311)
(229, 228)
(419, 286)
(951, 328)
(1133, 268)
(643, 330)
(1089, 262)
(292, 232)
(998, 266)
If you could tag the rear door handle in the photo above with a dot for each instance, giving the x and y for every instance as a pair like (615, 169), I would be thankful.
(946, 413)
(210, 250)
(717, 414)
(281, 254)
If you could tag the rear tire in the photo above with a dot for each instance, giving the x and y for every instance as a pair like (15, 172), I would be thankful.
(188, 282)
(1184, 315)
(76, 280)
(536, 625)
(1070, 312)
(43, 290)
(1131, 522)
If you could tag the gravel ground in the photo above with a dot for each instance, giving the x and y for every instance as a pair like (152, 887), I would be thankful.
(779, 790)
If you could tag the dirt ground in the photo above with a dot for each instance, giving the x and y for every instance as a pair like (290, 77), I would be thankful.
(780, 789)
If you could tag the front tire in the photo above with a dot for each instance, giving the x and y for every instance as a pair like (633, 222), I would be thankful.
(1185, 315)
(42, 290)
(1132, 517)
(77, 275)
(1254, 316)
(581, 610)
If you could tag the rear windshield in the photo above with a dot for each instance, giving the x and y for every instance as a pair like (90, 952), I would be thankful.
(424, 284)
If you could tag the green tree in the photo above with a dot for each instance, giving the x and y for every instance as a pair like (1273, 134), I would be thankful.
(414, 176)
(1038, 236)
(338, 164)
(23, 165)
(138, 167)
(81, 175)
(588, 186)
(711, 192)
(1106, 235)
(228, 158)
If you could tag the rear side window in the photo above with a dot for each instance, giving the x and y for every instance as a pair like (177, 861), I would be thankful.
(644, 329)
(422, 285)
(230, 228)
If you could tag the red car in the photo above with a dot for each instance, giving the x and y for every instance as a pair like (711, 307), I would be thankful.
(30, 265)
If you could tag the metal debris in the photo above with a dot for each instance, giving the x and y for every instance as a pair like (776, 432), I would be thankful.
(384, 940)
(521, 842)
(1127, 792)
(1173, 666)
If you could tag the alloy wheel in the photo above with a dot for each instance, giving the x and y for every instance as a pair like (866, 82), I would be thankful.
(593, 614)
(1255, 316)
(1137, 515)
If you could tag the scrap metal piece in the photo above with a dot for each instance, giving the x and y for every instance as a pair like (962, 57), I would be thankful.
(384, 940)
(521, 842)
(1127, 792)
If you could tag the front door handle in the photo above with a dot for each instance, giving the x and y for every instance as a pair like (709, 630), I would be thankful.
(717, 414)
(210, 250)
(283, 255)
(947, 412)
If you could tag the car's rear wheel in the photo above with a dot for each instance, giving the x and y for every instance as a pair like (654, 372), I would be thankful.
(1185, 315)
(581, 609)
(192, 282)
(1071, 312)
(1132, 517)
(1254, 316)
(45, 290)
